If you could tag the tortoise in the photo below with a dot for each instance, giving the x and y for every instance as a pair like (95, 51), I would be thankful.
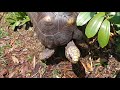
(57, 29)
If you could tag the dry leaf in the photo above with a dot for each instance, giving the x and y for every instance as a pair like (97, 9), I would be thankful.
(10, 50)
(11, 74)
(88, 67)
(3, 72)
(2, 43)
(98, 60)
(13, 41)
(23, 70)
(34, 62)
(15, 60)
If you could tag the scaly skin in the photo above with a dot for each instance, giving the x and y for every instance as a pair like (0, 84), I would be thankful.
(72, 52)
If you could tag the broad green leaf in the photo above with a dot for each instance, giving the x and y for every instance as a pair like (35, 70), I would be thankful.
(104, 33)
(111, 13)
(118, 32)
(118, 28)
(94, 25)
(84, 17)
(116, 18)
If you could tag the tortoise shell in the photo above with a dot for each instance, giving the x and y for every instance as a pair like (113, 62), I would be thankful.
(54, 28)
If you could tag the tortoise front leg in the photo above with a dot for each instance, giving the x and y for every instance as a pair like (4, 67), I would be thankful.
(46, 54)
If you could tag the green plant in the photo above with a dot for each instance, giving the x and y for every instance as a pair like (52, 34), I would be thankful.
(18, 42)
(56, 73)
(3, 48)
(17, 19)
(29, 58)
(1, 51)
(99, 22)
(3, 33)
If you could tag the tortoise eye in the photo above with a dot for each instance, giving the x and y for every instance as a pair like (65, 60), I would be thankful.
(69, 56)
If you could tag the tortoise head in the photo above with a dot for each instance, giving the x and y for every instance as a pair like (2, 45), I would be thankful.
(72, 52)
